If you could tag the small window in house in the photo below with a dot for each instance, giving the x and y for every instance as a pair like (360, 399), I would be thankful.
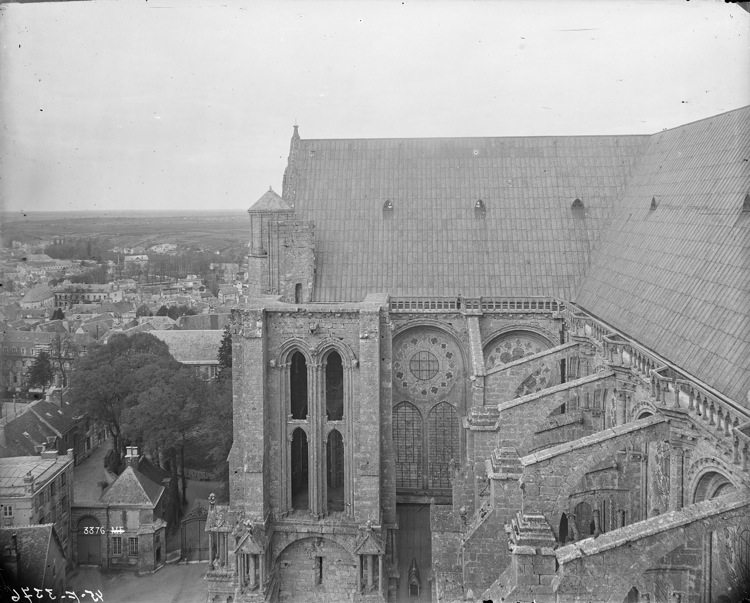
(63, 479)
(133, 547)
(7, 511)
(52, 488)
(116, 545)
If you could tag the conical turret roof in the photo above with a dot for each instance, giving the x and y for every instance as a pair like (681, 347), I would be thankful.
(270, 202)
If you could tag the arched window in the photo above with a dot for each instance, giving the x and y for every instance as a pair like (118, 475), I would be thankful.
(407, 438)
(335, 471)
(298, 386)
(584, 519)
(300, 480)
(443, 448)
(334, 387)
(563, 529)
(711, 485)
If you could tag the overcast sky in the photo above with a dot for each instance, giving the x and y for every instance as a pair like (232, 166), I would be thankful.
(186, 104)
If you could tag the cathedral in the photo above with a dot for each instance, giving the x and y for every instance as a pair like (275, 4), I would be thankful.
(504, 369)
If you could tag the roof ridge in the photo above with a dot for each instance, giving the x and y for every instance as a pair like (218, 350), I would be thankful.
(538, 136)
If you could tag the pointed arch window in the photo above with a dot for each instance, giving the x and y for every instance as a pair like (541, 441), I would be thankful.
(335, 471)
(407, 438)
(298, 386)
(300, 472)
(443, 445)
(334, 387)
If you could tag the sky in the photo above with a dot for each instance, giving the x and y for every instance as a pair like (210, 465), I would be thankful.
(182, 105)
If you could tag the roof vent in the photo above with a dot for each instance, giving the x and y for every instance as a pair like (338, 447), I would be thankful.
(653, 203)
(480, 210)
(577, 204)
(746, 208)
(387, 209)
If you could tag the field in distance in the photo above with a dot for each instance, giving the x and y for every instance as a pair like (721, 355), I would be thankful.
(220, 231)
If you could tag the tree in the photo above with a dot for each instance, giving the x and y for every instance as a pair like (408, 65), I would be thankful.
(109, 379)
(215, 426)
(165, 419)
(64, 352)
(143, 310)
(41, 373)
(225, 352)
(163, 311)
(58, 314)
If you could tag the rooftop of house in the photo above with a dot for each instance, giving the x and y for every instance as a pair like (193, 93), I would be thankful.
(32, 544)
(192, 347)
(60, 418)
(39, 293)
(133, 488)
(199, 322)
(14, 469)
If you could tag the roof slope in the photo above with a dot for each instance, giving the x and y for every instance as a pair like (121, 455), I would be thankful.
(676, 278)
(132, 488)
(192, 347)
(33, 545)
(433, 242)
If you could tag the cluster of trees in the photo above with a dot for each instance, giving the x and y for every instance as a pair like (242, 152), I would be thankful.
(146, 398)
(96, 275)
(80, 249)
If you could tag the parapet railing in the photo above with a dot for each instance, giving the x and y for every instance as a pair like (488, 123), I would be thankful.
(670, 385)
(483, 304)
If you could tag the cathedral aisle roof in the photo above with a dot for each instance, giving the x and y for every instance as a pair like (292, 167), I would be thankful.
(524, 238)
(677, 277)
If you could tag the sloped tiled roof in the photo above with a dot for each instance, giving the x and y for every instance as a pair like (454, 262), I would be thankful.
(13, 470)
(192, 347)
(59, 418)
(270, 202)
(677, 278)
(434, 242)
(38, 294)
(203, 321)
(33, 545)
(24, 434)
(132, 488)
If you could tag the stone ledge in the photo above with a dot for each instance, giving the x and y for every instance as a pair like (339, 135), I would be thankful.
(531, 357)
(654, 525)
(590, 440)
(556, 390)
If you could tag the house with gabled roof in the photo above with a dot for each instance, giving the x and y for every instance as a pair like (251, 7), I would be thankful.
(134, 512)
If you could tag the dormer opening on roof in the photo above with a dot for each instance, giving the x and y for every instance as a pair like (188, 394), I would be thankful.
(653, 203)
(746, 208)
(388, 209)
(577, 204)
(480, 210)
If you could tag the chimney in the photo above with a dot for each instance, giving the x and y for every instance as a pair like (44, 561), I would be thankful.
(28, 483)
(131, 457)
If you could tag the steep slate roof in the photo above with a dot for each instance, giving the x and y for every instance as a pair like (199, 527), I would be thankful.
(33, 546)
(132, 488)
(530, 241)
(37, 294)
(24, 434)
(13, 470)
(192, 347)
(270, 202)
(676, 278)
